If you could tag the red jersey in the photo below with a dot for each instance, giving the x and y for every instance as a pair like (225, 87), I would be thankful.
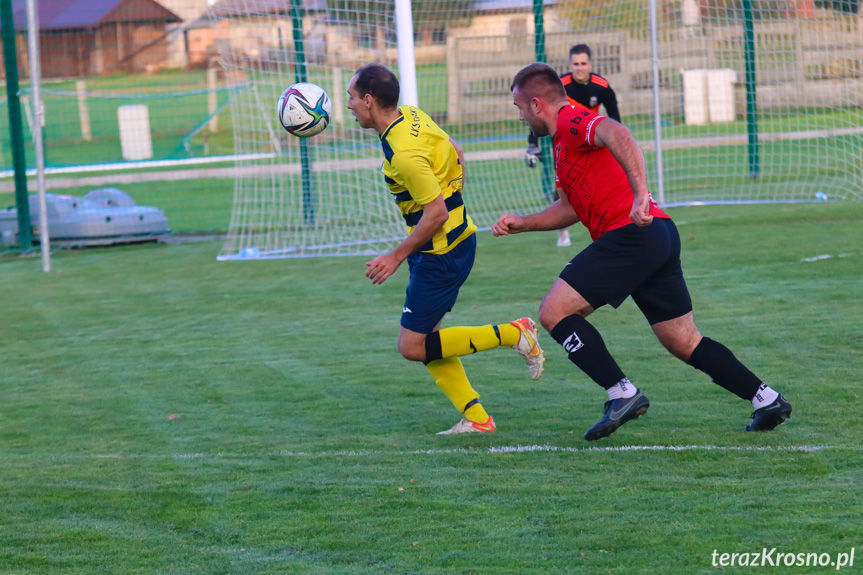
(594, 182)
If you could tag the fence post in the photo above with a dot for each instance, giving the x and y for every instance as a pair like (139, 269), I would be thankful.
(84, 111)
(212, 100)
(545, 152)
(28, 113)
(338, 99)
(305, 148)
(657, 106)
(799, 56)
(19, 161)
(452, 74)
(751, 100)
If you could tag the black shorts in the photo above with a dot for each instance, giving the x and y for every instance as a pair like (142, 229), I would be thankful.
(641, 262)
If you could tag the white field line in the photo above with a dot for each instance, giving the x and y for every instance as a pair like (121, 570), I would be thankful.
(742, 270)
(492, 450)
(520, 449)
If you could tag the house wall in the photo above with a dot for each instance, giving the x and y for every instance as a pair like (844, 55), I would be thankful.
(64, 54)
(148, 43)
(124, 47)
(188, 10)
(202, 45)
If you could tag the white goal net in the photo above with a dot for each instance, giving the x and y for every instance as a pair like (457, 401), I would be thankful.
(760, 100)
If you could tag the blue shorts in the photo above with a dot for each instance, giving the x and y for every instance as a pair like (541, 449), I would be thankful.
(641, 262)
(434, 284)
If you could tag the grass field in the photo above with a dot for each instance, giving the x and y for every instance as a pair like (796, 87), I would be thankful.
(165, 413)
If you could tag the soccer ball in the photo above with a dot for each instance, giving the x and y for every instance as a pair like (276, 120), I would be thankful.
(304, 110)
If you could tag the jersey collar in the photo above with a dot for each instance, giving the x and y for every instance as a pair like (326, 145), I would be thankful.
(391, 126)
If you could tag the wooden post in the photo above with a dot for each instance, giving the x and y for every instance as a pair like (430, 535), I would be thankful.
(84, 111)
(799, 56)
(338, 99)
(453, 100)
(28, 113)
(212, 100)
(120, 53)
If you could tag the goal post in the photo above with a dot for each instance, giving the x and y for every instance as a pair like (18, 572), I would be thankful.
(718, 71)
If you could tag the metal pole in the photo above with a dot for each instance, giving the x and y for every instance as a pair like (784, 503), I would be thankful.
(38, 114)
(16, 130)
(657, 108)
(545, 142)
(305, 146)
(751, 100)
(407, 58)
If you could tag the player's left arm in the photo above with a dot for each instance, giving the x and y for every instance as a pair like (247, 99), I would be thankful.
(460, 153)
(617, 138)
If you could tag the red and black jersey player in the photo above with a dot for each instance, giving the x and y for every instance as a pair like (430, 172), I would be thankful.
(635, 252)
(583, 88)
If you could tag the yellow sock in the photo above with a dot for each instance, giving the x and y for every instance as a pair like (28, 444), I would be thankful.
(509, 334)
(450, 377)
(459, 341)
(476, 413)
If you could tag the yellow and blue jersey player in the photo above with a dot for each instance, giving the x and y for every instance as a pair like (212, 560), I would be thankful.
(424, 170)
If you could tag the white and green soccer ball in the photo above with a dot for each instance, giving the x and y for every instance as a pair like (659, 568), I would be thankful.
(304, 109)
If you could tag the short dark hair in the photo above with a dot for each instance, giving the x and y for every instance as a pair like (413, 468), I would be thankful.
(380, 82)
(539, 79)
(580, 49)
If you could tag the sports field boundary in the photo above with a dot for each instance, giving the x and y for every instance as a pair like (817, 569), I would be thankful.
(342, 165)
(524, 449)
(475, 451)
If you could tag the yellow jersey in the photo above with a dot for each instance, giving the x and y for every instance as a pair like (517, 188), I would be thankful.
(420, 163)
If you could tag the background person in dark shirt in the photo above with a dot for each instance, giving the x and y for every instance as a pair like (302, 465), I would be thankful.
(584, 88)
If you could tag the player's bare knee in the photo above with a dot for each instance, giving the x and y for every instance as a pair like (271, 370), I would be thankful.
(550, 315)
(411, 351)
(548, 320)
(676, 350)
(412, 354)
(681, 348)
(552, 311)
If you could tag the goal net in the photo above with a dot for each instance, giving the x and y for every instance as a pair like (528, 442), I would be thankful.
(760, 100)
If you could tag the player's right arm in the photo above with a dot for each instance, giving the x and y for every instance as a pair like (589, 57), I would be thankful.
(556, 216)
(434, 216)
(425, 190)
(617, 138)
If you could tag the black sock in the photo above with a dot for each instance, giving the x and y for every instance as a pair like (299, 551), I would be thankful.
(724, 369)
(587, 350)
(433, 348)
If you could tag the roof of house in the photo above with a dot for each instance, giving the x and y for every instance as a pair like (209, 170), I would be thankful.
(73, 14)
